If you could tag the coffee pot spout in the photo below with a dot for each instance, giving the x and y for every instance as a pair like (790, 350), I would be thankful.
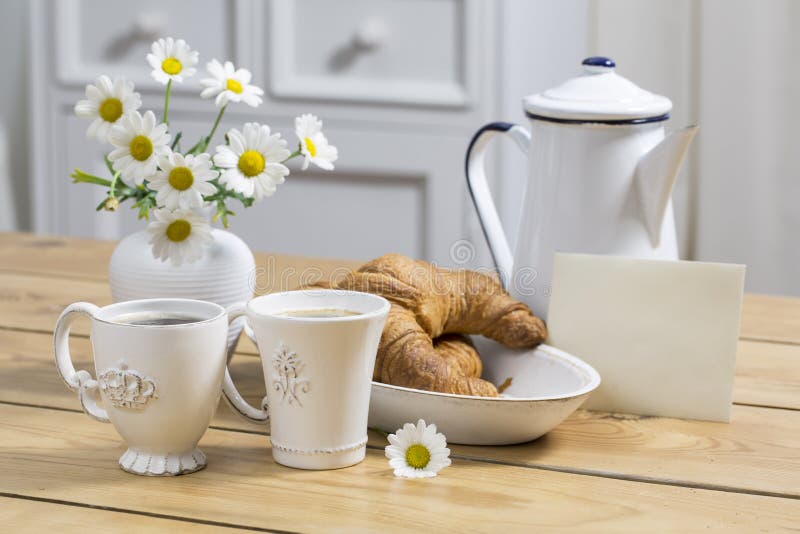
(656, 173)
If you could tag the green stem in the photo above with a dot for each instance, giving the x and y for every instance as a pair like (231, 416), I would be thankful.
(109, 165)
(112, 189)
(293, 155)
(214, 128)
(203, 143)
(166, 102)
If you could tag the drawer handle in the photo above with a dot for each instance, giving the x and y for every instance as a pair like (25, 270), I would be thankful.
(371, 34)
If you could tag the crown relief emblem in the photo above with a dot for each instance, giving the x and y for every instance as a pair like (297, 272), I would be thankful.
(126, 388)
(287, 378)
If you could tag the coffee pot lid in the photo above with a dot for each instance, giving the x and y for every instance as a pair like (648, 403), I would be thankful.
(598, 95)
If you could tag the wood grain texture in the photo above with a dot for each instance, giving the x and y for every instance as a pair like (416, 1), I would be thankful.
(758, 451)
(23, 515)
(28, 376)
(771, 318)
(595, 471)
(64, 455)
(764, 317)
(69, 257)
(767, 374)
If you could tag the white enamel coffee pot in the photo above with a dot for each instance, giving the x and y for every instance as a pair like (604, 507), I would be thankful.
(600, 178)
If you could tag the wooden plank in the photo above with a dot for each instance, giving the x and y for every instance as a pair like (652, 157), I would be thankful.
(25, 515)
(34, 301)
(758, 451)
(767, 374)
(771, 318)
(55, 255)
(764, 317)
(64, 455)
(28, 376)
(88, 258)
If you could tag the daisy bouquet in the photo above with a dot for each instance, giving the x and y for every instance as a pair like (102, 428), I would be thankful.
(148, 166)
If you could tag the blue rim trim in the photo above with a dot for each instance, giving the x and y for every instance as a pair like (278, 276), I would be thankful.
(599, 61)
(493, 127)
(642, 120)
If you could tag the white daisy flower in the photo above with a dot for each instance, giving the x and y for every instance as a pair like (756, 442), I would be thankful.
(172, 60)
(139, 141)
(252, 161)
(106, 102)
(182, 181)
(179, 236)
(417, 451)
(230, 84)
(313, 144)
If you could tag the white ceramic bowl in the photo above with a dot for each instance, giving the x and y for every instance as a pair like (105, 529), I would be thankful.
(547, 386)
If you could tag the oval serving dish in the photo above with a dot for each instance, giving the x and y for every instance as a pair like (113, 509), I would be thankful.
(547, 385)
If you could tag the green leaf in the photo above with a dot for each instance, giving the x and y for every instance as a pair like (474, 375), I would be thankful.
(177, 140)
(80, 177)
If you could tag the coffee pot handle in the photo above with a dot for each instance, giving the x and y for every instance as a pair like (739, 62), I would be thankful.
(78, 381)
(232, 395)
(482, 196)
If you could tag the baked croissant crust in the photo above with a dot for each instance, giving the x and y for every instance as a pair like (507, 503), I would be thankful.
(429, 302)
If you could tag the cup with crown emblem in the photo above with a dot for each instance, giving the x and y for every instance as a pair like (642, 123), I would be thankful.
(159, 365)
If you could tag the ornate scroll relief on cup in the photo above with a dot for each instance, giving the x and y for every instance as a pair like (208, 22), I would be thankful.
(662, 334)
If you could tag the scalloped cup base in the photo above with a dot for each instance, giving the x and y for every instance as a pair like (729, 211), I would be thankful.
(319, 460)
(162, 465)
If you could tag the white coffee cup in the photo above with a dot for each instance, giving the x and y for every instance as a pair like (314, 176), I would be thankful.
(318, 373)
(159, 384)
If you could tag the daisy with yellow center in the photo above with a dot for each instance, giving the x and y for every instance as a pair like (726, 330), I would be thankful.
(182, 181)
(229, 84)
(139, 142)
(252, 161)
(417, 451)
(172, 60)
(180, 236)
(106, 102)
(313, 143)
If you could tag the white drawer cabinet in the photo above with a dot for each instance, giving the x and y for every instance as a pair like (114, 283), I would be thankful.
(113, 37)
(400, 84)
(403, 52)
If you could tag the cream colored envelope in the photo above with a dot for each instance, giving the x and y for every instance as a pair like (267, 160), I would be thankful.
(662, 334)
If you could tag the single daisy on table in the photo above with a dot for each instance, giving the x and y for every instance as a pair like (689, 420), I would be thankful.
(229, 84)
(139, 141)
(313, 144)
(182, 181)
(107, 102)
(172, 60)
(179, 236)
(251, 162)
(417, 451)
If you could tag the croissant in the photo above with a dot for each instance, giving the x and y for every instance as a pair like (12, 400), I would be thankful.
(429, 302)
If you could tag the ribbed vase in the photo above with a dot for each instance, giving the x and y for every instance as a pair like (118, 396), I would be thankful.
(224, 275)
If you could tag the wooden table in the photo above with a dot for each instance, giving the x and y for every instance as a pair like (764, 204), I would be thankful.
(596, 471)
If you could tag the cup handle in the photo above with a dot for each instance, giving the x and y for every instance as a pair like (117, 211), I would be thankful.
(79, 381)
(232, 395)
(248, 331)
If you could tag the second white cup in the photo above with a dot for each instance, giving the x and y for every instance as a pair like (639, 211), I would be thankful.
(318, 351)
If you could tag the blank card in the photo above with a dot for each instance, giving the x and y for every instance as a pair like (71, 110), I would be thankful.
(662, 334)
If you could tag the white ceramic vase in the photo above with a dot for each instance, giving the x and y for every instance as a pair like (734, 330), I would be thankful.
(224, 275)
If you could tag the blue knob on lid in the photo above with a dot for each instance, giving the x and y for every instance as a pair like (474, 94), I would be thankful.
(598, 64)
(599, 61)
